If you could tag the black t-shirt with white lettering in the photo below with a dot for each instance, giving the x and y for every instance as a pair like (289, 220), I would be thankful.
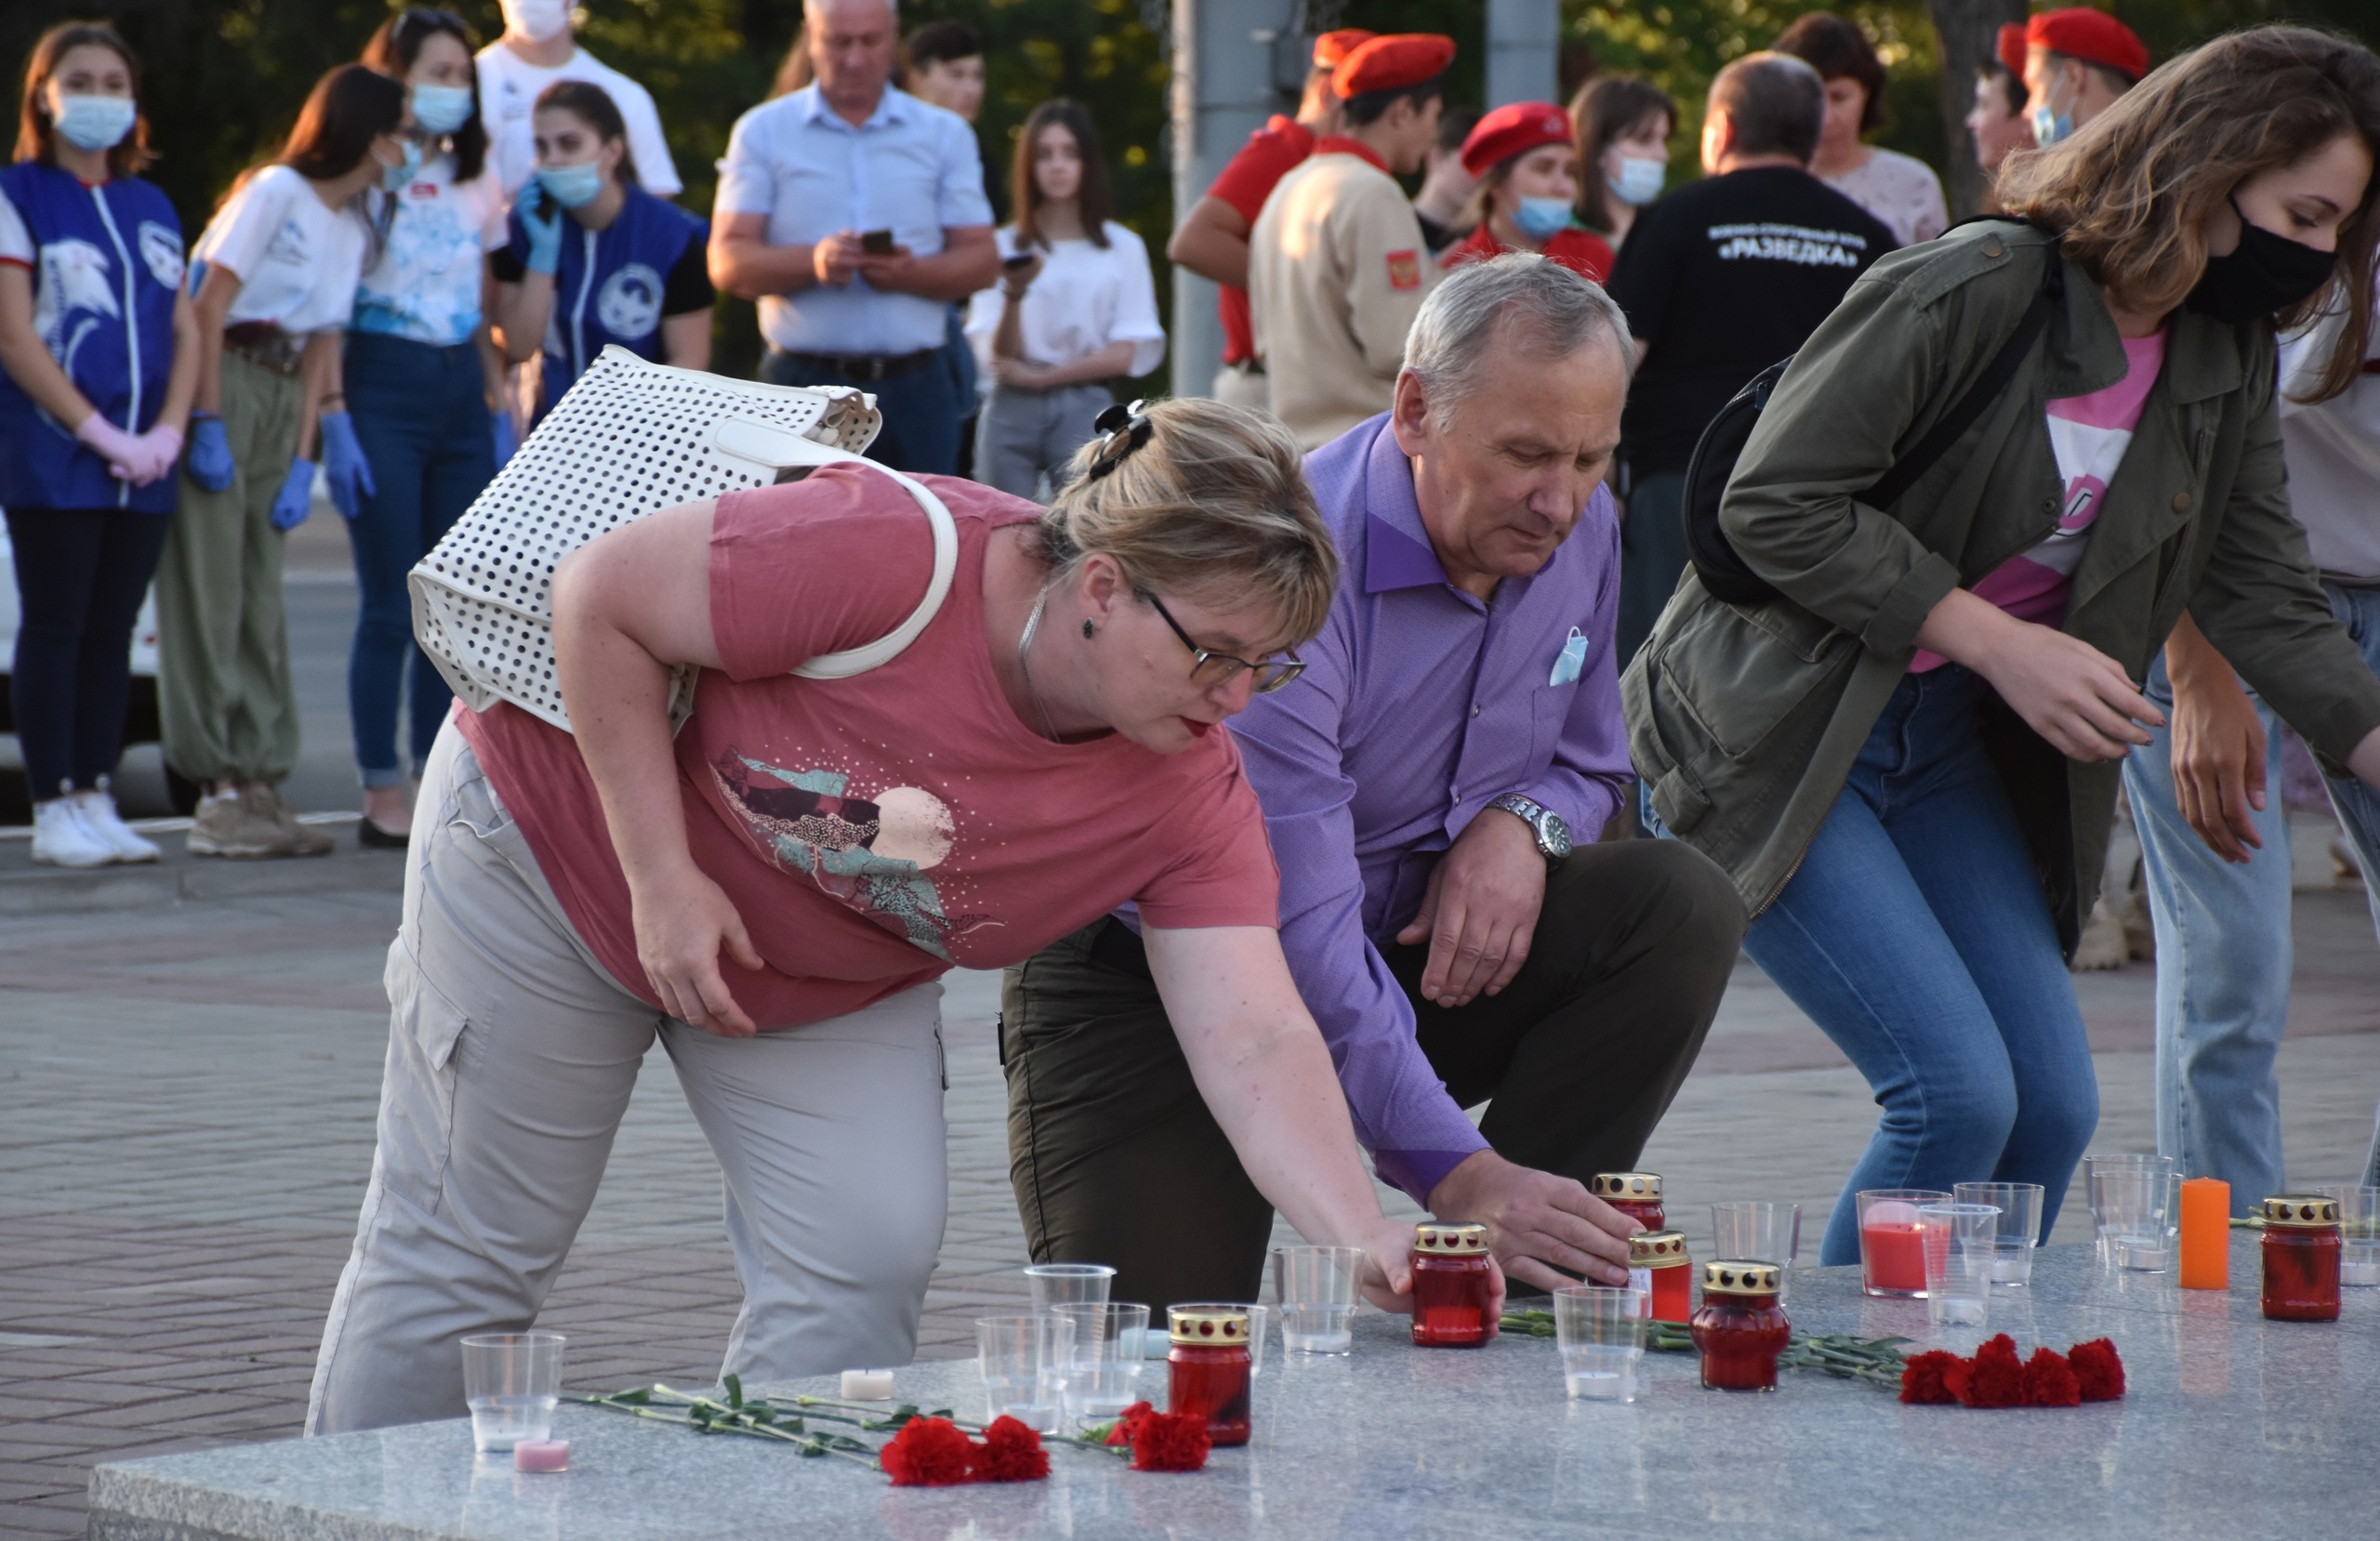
(1722, 279)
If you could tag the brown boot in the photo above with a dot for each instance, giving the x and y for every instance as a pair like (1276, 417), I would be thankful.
(295, 839)
(230, 825)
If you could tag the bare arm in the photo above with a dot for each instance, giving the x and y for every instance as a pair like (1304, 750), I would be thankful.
(685, 340)
(2068, 691)
(213, 305)
(320, 370)
(2218, 747)
(628, 607)
(1212, 243)
(744, 264)
(522, 312)
(1262, 1067)
(27, 360)
(492, 355)
(181, 384)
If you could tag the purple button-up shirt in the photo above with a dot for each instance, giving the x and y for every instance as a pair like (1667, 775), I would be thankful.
(1418, 704)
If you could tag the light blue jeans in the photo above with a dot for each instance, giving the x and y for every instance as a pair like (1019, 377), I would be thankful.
(1915, 934)
(2223, 952)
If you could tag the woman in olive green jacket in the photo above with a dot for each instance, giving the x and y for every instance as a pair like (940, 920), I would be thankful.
(1908, 760)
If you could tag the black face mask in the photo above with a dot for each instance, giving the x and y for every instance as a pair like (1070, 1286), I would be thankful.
(2264, 273)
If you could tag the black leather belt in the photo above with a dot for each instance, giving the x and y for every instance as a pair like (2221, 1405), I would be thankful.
(866, 366)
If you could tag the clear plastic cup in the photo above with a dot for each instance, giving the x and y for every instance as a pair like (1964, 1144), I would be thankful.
(1103, 1360)
(1958, 1242)
(510, 1382)
(2135, 1209)
(1759, 1231)
(2020, 1224)
(2359, 1232)
(1601, 1334)
(1892, 1259)
(1056, 1284)
(1024, 1361)
(1316, 1289)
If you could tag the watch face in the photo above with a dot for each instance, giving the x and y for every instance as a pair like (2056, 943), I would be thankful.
(1556, 833)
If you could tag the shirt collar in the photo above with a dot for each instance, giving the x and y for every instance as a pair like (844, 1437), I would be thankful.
(1397, 548)
(891, 108)
(1335, 144)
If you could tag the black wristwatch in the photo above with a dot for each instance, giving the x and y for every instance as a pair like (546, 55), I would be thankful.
(1553, 834)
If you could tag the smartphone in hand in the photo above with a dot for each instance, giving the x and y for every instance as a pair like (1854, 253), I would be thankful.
(877, 242)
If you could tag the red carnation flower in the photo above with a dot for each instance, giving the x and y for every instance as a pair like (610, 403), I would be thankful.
(1923, 1377)
(1127, 1422)
(2050, 1381)
(2097, 1372)
(1170, 1442)
(1011, 1452)
(928, 1453)
(1995, 1375)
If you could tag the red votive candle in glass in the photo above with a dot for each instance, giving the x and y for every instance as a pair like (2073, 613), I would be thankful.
(1636, 1195)
(1657, 1264)
(2302, 1248)
(1454, 1285)
(1740, 1328)
(1892, 1250)
(1210, 1366)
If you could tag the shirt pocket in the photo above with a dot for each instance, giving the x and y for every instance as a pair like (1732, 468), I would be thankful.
(1549, 711)
(418, 1100)
(1739, 671)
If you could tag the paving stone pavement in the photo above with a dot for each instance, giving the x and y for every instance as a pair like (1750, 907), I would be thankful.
(187, 1097)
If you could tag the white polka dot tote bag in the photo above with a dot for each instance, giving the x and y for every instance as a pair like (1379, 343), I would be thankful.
(629, 439)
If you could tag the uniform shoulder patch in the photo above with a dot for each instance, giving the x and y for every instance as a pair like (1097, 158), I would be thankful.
(1405, 270)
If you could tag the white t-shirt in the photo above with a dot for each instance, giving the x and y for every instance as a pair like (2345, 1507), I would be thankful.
(426, 287)
(2333, 451)
(1082, 299)
(1899, 190)
(509, 88)
(298, 259)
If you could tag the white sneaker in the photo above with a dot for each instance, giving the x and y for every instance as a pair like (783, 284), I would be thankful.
(62, 839)
(101, 818)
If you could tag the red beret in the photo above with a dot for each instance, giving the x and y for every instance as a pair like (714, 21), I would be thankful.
(2011, 49)
(2093, 36)
(1392, 63)
(1513, 129)
(1333, 47)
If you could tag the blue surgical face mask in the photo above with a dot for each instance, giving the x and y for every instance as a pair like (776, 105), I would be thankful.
(1542, 219)
(394, 177)
(572, 186)
(442, 109)
(2049, 128)
(1639, 181)
(95, 123)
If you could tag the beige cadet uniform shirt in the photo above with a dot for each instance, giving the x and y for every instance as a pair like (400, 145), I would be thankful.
(1336, 271)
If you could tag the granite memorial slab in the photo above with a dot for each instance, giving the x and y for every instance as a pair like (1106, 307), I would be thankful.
(2232, 1425)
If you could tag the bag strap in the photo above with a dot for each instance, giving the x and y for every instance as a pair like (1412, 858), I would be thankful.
(1986, 390)
(778, 449)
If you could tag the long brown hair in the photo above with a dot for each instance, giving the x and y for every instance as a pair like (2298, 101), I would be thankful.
(2135, 187)
(131, 155)
(1605, 108)
(1092, 199)
(393, 50)
(347, 109)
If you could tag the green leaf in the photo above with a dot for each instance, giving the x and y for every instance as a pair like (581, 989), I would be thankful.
(734, 1389)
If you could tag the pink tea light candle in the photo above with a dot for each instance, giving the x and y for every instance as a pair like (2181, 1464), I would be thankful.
(541, 1455)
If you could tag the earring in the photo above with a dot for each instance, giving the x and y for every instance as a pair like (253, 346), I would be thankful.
(1087, 629)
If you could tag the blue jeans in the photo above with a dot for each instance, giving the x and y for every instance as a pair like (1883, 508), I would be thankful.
(421, 415)
(2224, 956)
(921, 411)
(1916, 935)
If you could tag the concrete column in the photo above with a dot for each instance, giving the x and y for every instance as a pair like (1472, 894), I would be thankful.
(1524, 50)
(1222, 92)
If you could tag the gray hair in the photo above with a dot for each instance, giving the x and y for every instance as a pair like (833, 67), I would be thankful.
(1517, 305)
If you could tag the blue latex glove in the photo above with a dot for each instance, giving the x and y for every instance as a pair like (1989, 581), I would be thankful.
(541, 218)
(209, 458)
(343, 463)
(508, 441)
(295, 499)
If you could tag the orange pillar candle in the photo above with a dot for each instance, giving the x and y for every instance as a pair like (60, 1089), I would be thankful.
(2206, 1233)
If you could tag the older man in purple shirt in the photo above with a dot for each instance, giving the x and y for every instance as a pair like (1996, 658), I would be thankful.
(1457, 720)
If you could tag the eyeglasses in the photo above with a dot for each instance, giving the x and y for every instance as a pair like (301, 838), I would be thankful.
(1217, 669)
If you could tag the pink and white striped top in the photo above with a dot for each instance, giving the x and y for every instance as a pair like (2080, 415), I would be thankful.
(2089, 435)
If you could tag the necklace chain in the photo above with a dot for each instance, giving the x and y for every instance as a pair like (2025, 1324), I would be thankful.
(1025, 646)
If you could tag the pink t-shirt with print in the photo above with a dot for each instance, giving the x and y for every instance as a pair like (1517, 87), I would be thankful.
(875, 830)
(2089, 435)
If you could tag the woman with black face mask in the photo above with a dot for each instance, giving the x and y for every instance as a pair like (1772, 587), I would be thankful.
(1898, 718)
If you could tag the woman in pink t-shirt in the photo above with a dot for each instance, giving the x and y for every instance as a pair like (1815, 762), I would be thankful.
(776, 892)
